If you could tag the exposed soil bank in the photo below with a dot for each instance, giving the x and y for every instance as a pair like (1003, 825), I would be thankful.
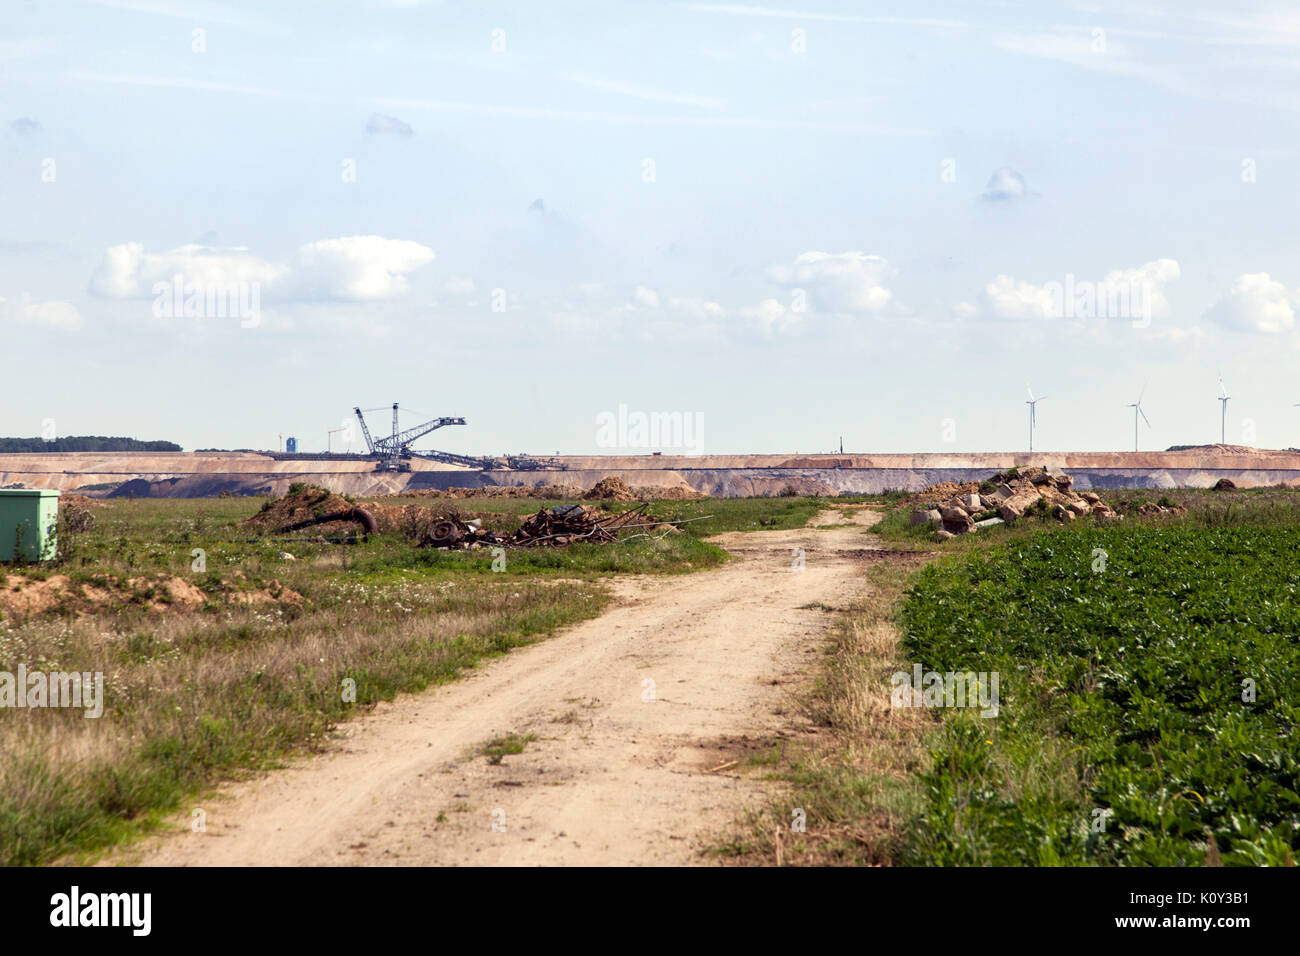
(195, 475)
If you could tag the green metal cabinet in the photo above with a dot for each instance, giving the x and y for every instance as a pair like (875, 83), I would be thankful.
(36, 512)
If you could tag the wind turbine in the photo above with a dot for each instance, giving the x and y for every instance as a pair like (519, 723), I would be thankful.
(1033, 416)
(1137, 410)
(1223, 418)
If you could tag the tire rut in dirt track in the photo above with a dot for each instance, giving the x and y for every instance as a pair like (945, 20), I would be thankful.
(612, 778)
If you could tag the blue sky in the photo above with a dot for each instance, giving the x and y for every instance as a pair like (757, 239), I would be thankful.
(794, 222)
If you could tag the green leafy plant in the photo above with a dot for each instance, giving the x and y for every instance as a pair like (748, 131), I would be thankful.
(1148, 701)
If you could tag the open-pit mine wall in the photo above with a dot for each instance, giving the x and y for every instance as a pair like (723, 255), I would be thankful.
(194, 475)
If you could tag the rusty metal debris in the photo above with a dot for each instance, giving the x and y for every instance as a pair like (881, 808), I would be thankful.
(308, 507)
(550, 527)
(453, 532)
(565, 524)
(356, 515)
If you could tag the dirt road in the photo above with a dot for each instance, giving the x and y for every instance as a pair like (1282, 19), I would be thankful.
(632, 712)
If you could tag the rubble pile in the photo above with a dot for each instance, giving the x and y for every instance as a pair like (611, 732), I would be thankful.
(311, 507)
(550, 527)
(431, 528)
(565, 524)
(453, 531)
(1149, 509)
(1006, 498)
(416, 522)
(611, 488)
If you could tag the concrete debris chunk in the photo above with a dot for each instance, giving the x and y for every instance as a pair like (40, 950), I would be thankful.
(1047, 491)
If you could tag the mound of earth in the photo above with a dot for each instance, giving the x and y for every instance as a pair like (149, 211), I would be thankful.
(22, 597)
(297, 511)
(140, 488)
(610, 488)
(235, 592)
(1220, 449)
(412, 521)
(667, 493)
(304, 506)
(81, 501)
(942, 491)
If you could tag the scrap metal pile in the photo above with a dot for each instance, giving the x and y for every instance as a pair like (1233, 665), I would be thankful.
(565, 524)
(453, 532)
(309, 507)
(550, 527)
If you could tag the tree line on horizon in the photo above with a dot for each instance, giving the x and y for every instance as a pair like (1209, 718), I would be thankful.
(83, 443)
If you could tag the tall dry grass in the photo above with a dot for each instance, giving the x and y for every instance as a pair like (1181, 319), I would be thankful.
(192, 699)
(853, 781)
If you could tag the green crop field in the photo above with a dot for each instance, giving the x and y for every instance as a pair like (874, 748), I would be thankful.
(1149, 684)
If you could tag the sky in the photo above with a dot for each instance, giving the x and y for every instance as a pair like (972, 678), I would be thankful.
(226, 223)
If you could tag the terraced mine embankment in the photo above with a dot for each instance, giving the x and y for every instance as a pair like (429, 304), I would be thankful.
(195, 475)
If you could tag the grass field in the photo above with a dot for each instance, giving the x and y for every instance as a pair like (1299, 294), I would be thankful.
(232, 687)
(1148, 675)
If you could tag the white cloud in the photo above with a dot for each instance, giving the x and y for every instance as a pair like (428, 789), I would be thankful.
(355, 268)
(692, 316)
(55, 314)
(646, 298)
(1255, 303)
(1152, 277)
(838, 284)
(1135, 294)
(771, 318)
(129, 272)
(363, 268)
(843, 282)
(1008, 299)
(697, 310)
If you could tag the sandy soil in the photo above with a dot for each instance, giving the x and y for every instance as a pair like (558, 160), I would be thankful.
(637, 714)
